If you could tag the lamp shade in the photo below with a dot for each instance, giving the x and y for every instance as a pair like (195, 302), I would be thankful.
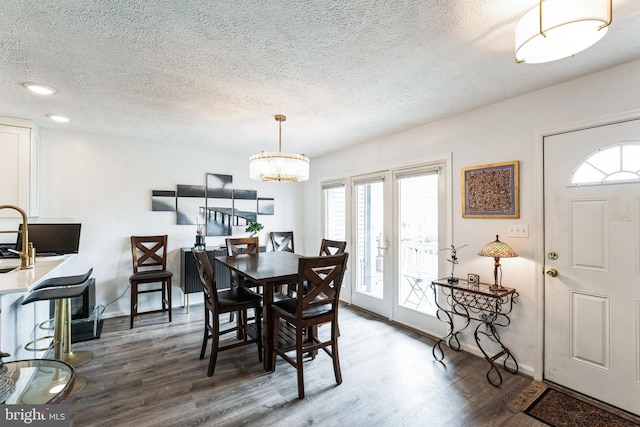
(279, 166)
(498, 249)
(556, 29)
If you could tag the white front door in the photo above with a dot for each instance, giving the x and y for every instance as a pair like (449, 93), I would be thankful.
(592, 243)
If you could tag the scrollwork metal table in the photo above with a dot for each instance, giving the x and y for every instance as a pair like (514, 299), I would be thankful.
(476, 302)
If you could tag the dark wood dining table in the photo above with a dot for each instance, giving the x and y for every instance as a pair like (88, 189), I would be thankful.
(266, 269)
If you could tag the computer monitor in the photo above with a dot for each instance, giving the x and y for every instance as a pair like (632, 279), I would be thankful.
(52, 239)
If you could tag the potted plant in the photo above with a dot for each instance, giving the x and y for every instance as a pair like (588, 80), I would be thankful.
(254, 227)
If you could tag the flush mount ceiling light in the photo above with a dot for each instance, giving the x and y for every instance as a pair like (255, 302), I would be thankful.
(58, 118)
(279, 166)
(556, 29)
(39, 89)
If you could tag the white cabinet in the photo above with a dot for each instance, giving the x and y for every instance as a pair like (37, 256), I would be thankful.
(19, 165)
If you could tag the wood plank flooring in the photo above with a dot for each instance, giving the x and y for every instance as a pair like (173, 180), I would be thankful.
(151, 376)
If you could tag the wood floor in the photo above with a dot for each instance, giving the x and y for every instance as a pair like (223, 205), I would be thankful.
(151, 376)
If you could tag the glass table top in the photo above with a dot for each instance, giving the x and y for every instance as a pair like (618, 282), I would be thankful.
(35, 381)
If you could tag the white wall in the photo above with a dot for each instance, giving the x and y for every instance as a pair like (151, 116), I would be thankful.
(505, 131)
(105, 183)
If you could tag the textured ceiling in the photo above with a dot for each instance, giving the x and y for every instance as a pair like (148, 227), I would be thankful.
(216, 72)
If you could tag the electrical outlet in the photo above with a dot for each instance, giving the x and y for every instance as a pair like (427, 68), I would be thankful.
(518, 230)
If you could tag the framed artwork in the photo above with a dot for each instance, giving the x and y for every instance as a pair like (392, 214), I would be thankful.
(216, 206)
(163, 200)
(491, 191)
(245, 206)
(219, 205)
(190, 204)
(265, 206)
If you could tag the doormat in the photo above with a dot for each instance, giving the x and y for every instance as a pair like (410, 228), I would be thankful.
(527, 397)
(559, 410)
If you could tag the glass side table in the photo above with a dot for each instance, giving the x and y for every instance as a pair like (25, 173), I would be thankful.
(36, 381)
(476, 302)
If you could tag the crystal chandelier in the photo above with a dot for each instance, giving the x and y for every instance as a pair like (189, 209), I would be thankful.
(279, 166)
(556, 29)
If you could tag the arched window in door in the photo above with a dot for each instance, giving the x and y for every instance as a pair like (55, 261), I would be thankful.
(618, 162)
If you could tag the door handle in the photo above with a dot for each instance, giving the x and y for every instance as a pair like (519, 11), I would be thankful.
(552, 272)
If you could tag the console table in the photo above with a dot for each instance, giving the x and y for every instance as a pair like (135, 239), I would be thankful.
(189, 277)
(471, 301)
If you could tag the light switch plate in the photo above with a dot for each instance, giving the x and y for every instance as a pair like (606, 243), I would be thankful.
(518, 230)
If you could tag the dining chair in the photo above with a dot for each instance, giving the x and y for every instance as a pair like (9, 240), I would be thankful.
(217, 302)
(149, 256)
(332, 247)
(282, 241)
(316, 306)
(327, 247)
(239, 246)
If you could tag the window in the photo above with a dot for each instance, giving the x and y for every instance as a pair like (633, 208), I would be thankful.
(334, 211)
(613, 163)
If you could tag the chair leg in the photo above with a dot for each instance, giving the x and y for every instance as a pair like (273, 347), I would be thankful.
(134, 303)
(312, 332)
(241, 334)
(244, 322)
(206, 333)
(215, 338)
(169, 298)
(299, 364)
(275, 327)
(334, 353)
(258, 317)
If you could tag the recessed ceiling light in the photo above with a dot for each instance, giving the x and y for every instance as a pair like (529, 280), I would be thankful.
(58, 118)
(39, 89)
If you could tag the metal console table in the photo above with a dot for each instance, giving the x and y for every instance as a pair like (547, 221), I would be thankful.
(476, 302)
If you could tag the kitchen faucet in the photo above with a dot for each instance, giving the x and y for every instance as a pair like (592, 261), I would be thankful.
(26, 253)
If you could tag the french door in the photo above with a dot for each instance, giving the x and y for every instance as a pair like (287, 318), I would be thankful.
(371, 233)
(399, 223)
(420, 230)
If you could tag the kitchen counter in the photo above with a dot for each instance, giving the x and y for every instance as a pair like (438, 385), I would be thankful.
(22, 280)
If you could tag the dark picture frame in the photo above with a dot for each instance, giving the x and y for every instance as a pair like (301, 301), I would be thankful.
(491, 191)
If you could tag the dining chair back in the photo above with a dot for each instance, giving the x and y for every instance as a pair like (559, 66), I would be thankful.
(316, 305)
(332, 247)
(149, 256)
(282, 241)
(327, 247)
(241, 245)
(232, 300)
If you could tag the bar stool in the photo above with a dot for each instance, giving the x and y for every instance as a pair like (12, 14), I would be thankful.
(62, 289)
